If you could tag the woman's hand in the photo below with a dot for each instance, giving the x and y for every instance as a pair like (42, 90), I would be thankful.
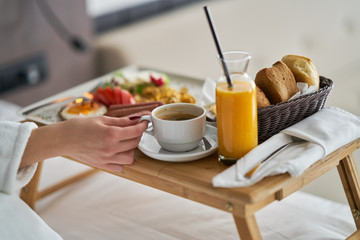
(103, 142)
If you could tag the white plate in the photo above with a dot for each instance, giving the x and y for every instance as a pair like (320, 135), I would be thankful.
(150, 147)
(47, 110)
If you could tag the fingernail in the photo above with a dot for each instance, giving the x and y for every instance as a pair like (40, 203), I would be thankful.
(134, 117)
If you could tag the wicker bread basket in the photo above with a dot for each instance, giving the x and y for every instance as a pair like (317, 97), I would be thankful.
(274, 118)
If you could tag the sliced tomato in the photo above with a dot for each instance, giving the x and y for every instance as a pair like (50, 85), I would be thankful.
(102, 96)
(113, 95)
(126, 97)
(109, 93)
(118, 94)
(132, 99)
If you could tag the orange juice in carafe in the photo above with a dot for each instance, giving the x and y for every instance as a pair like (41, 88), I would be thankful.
(236, 111)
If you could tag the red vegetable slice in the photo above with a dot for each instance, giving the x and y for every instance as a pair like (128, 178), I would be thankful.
(118, 93)
(113, 95)
(126, 96)
(158, 81)
(109, 93)
(102, 96)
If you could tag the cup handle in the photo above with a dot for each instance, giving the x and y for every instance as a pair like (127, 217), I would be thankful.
(145, 118)
(150, 127)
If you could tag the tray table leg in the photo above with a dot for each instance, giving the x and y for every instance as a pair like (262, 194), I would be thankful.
(29, 193)
(247, 227)
(350, 179)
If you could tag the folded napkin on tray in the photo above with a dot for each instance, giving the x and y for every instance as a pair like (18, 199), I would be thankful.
(323, 132)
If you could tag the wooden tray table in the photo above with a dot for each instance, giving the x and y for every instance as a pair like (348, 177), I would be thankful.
(192, 180)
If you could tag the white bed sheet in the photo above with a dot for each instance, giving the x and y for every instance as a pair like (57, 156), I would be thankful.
(108, 207)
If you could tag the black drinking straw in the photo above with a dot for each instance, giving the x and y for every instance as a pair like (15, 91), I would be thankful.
(212, 27)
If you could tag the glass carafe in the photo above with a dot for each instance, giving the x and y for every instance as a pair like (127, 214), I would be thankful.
(236, 109)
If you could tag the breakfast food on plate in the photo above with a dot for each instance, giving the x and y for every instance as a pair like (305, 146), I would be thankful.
(126, 93)
(277, 82)
(262, 100)
(145, 105)
(109, 94)
(81, 108)
(213, 108)
(121, 110)
(165, 94)
(303, 69)
(145, 86)
(136, 81)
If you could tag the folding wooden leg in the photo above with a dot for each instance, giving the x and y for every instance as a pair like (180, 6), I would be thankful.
(30, 191)
(247, 227)
(350, 179)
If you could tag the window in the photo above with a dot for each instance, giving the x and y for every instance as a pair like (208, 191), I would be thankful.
(108, 14)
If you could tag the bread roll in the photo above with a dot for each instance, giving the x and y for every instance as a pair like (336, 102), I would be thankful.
(262, 100)
(278, 82)
(303, 69)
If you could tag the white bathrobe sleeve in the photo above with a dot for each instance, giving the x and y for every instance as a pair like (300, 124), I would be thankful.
(18, 220)
(13, 139)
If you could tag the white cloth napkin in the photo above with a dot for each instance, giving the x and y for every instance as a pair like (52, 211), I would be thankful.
(303, 89)
(208, 92)
(323, 132)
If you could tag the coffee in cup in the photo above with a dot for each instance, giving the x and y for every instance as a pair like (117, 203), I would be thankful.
(178, 127)
(178, 116)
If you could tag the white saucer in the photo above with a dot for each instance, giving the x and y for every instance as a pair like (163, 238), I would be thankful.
(150, 147)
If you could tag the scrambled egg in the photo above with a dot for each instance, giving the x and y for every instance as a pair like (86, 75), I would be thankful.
(165, 94)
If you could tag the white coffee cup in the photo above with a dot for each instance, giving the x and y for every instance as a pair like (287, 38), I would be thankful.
(178, 127)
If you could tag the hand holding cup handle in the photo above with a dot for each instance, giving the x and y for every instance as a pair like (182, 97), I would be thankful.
(178, 127)
(145, 118)
(150, 129)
